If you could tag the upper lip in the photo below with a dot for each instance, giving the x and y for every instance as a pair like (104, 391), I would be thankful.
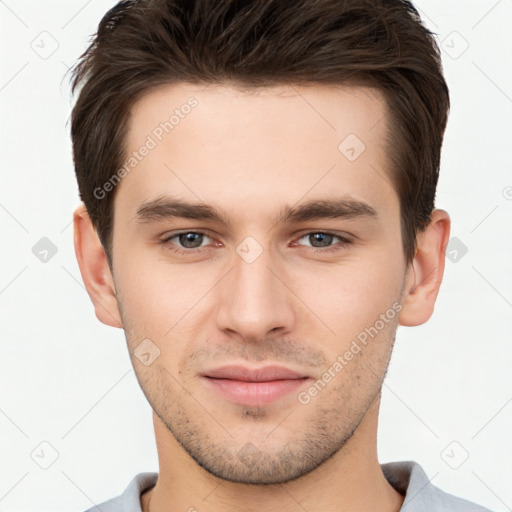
(263, 374)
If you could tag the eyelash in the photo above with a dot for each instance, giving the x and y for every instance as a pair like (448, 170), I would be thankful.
(188, 252)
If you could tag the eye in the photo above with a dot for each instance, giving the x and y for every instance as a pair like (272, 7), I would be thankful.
(321, 241)
(194, 242)
(186, 241)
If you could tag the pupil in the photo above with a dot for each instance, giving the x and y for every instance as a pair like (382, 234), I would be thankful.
(189, 238)
(322, 237)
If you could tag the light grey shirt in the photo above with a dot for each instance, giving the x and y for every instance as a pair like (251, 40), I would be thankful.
(407, 477)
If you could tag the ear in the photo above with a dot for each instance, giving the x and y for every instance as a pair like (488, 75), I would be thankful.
(94, 268)
(425, 273)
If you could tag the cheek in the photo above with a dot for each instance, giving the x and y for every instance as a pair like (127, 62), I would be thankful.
(350, 297)
(157, 294)
(161, 299)
(165, 304)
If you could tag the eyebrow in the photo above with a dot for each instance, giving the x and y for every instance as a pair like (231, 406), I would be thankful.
(164, 208)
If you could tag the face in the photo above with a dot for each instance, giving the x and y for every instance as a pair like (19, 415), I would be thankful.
(292, 257)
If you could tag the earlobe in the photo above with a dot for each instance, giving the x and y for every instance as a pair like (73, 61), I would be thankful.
(94, 268)
(425, 273)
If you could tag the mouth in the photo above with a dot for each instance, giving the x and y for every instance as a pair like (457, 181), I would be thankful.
(253, 386)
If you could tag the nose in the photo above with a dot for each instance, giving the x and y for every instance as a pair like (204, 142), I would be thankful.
(255, 299)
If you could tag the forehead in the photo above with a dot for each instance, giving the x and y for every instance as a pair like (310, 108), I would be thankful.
(213, 110)
(258, 147)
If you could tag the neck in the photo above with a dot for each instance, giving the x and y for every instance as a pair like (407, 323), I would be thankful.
(350, 480)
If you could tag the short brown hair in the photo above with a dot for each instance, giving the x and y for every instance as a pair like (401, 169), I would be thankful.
(144, 44)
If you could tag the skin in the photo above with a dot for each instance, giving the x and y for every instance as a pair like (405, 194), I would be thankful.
(249, 154)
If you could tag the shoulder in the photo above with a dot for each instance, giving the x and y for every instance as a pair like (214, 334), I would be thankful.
(409, 478)
(129, 500)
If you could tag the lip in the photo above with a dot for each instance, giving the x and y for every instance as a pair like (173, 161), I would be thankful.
(253, 386)
(263, 374)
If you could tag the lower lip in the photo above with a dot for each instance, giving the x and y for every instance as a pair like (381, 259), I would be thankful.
(254, 393)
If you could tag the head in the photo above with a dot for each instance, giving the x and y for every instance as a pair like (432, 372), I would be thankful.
(258, 181)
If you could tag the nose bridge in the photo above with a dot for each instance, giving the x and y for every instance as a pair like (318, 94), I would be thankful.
(254, 300)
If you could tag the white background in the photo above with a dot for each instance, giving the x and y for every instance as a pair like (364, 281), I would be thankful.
(67, 380)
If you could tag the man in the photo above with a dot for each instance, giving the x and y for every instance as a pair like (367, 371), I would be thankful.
(258, 180)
